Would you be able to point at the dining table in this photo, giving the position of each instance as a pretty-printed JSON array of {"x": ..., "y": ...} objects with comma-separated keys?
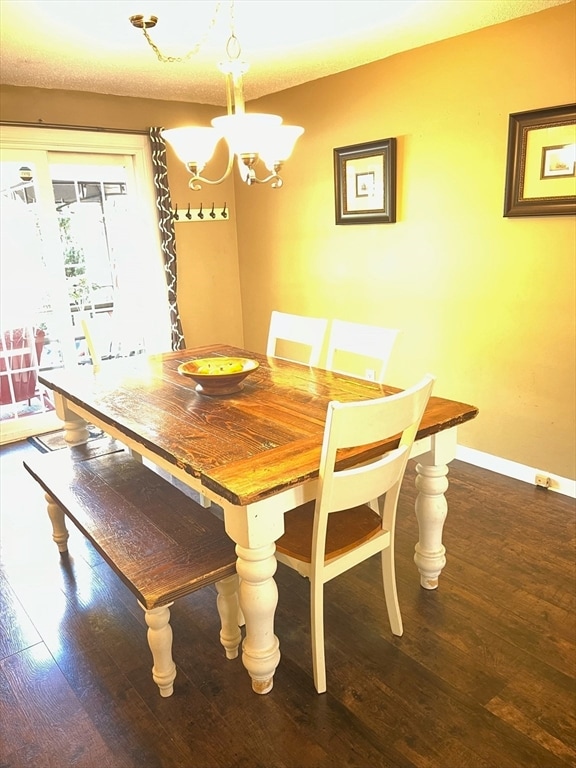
[{"x": 255, "y": 453}]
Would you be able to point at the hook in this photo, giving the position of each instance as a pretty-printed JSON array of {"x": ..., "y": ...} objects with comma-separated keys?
[
  {"x": 224, "y": 212},
  {"x": 175, "y": 216},
  {"x": 188, "y": 214},
  {"x": 212, "y": 214},
  {"x": 200, "y": 214}
]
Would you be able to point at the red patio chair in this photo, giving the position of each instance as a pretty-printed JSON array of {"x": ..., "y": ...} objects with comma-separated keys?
[{"x": 19, "y": 362}]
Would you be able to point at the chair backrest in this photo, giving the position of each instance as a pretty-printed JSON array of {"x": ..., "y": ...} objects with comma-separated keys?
[
  {"x": 95, "y": 347},
  {"x": 304, "y": 334},
  {"x": 362, "y": 423},
  {"x": 110, "y": 337},
  {"x": 369, "y": 342}
]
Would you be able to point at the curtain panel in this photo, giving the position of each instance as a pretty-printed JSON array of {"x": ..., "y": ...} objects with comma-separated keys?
[{"x": 166, "y": 225}]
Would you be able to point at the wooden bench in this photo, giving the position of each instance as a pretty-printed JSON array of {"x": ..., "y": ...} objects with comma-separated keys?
[{"x": 161, "y": 543}]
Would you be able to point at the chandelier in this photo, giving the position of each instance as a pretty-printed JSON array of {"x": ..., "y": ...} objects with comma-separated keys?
[{"x": 250, "y": 137}]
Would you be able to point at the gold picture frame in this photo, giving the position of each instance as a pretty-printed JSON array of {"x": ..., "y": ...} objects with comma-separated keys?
[
  {"x": 365, "y": 182},
  {"x": 541, "y": 162}
]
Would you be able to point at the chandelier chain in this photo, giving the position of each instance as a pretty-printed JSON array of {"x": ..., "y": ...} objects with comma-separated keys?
[{"x": 193, "y": 51}]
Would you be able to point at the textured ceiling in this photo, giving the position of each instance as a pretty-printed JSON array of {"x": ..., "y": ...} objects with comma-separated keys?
[{"x": 91, "y": 46}]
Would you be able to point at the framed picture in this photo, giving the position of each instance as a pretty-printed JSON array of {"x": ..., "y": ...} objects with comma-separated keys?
[
  {"x": 365, "y": 183},
  {"x": 541, "y": 164}
]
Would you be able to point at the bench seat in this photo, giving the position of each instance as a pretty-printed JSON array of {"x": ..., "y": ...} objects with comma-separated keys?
[{"x": 161, "y": 543}]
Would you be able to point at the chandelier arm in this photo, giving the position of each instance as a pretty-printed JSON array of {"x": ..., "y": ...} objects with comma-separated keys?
[
  {"x": 198, "y": 177},
  {"x": 251, "y": 178},
  {"x": 273, "y": 177}
]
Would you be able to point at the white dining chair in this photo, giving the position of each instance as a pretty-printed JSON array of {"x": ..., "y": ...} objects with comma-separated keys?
[
  {"x": 96, "y": 347},
  {"x": 111, "y": 337},
  {"x": 100, "y": 348},
  {"x": 354, "y": 514},
  {"x": 357, "y": 343},
  {"x": 296, "y": 337}
]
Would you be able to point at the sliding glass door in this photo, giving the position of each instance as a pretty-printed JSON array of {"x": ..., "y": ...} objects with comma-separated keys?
[{"x": 79, "y": 245}]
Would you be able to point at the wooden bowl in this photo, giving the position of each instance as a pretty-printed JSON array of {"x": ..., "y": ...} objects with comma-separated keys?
[{"x": 215, "y": 376}]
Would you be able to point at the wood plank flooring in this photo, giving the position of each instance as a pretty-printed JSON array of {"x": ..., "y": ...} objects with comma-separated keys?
[{"x": 483, "y": 677}]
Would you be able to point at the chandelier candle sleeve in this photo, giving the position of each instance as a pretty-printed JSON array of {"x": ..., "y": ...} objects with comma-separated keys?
[{"x": 194, "y": 145}]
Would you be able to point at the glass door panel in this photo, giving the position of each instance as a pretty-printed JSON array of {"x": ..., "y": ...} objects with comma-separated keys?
[
  {"x": 25, "y": 295},
  {"x": 78, "y": 242},
  {"x": 86, "y": 197}
]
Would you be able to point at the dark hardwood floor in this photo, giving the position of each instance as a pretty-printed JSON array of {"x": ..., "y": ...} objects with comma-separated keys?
[{"x": 484, "y": 676}]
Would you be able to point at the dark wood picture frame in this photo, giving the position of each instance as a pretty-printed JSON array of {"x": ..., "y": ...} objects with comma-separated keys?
[
  {"x": 534, "y": 188},
  {"x": 365, "y": 182}
]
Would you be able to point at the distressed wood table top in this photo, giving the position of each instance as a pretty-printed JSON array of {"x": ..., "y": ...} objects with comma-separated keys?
[{"x": 246, "y": 446}]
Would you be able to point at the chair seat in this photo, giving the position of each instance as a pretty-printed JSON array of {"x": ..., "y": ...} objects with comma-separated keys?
[{"x": 346, "y": 530}]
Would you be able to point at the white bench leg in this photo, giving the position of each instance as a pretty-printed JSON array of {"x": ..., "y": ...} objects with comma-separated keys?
[
  {"x": 228, "y": 608},
  {"x": 160, "y": 642},
  {"x": 58, "y": 520}
]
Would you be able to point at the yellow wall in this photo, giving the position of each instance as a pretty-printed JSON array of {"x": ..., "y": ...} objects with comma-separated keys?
[{"x": 485, "y": 302}]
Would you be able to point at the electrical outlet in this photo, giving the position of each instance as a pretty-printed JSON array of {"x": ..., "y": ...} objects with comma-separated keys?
[
  {"x": 543, "y": 481},
  {"x": 370, "y": 375}
]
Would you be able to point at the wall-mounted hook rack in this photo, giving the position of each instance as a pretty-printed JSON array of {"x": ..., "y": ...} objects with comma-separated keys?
[{"x": 208, "y": 212}]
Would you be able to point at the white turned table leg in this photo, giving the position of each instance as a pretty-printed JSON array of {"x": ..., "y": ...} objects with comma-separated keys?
[
  {"x": 431, "y": 506},
  {"x": 227, "y": 603},
  {"x": 58, "y": 520},
  {"x": 76, "y": 431},
  {"x": 258, "y": 599},
  {"x": 75, "y": 427},
  {"x": 431, "y": 510},
  {"x": 160, "y": 642}
]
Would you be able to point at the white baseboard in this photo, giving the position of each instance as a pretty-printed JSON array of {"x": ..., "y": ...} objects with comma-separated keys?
[{"x": 512, "y": 469}]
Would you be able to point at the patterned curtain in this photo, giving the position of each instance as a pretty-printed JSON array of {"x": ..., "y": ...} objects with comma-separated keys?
[{"x": 166, "y": 225}]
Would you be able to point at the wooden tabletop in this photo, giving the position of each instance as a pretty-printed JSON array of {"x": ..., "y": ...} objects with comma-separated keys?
[{"x": 245, "y": 446}]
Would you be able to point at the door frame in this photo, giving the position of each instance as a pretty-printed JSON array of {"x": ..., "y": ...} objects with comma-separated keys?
[{"x": 40, "y": 141}]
